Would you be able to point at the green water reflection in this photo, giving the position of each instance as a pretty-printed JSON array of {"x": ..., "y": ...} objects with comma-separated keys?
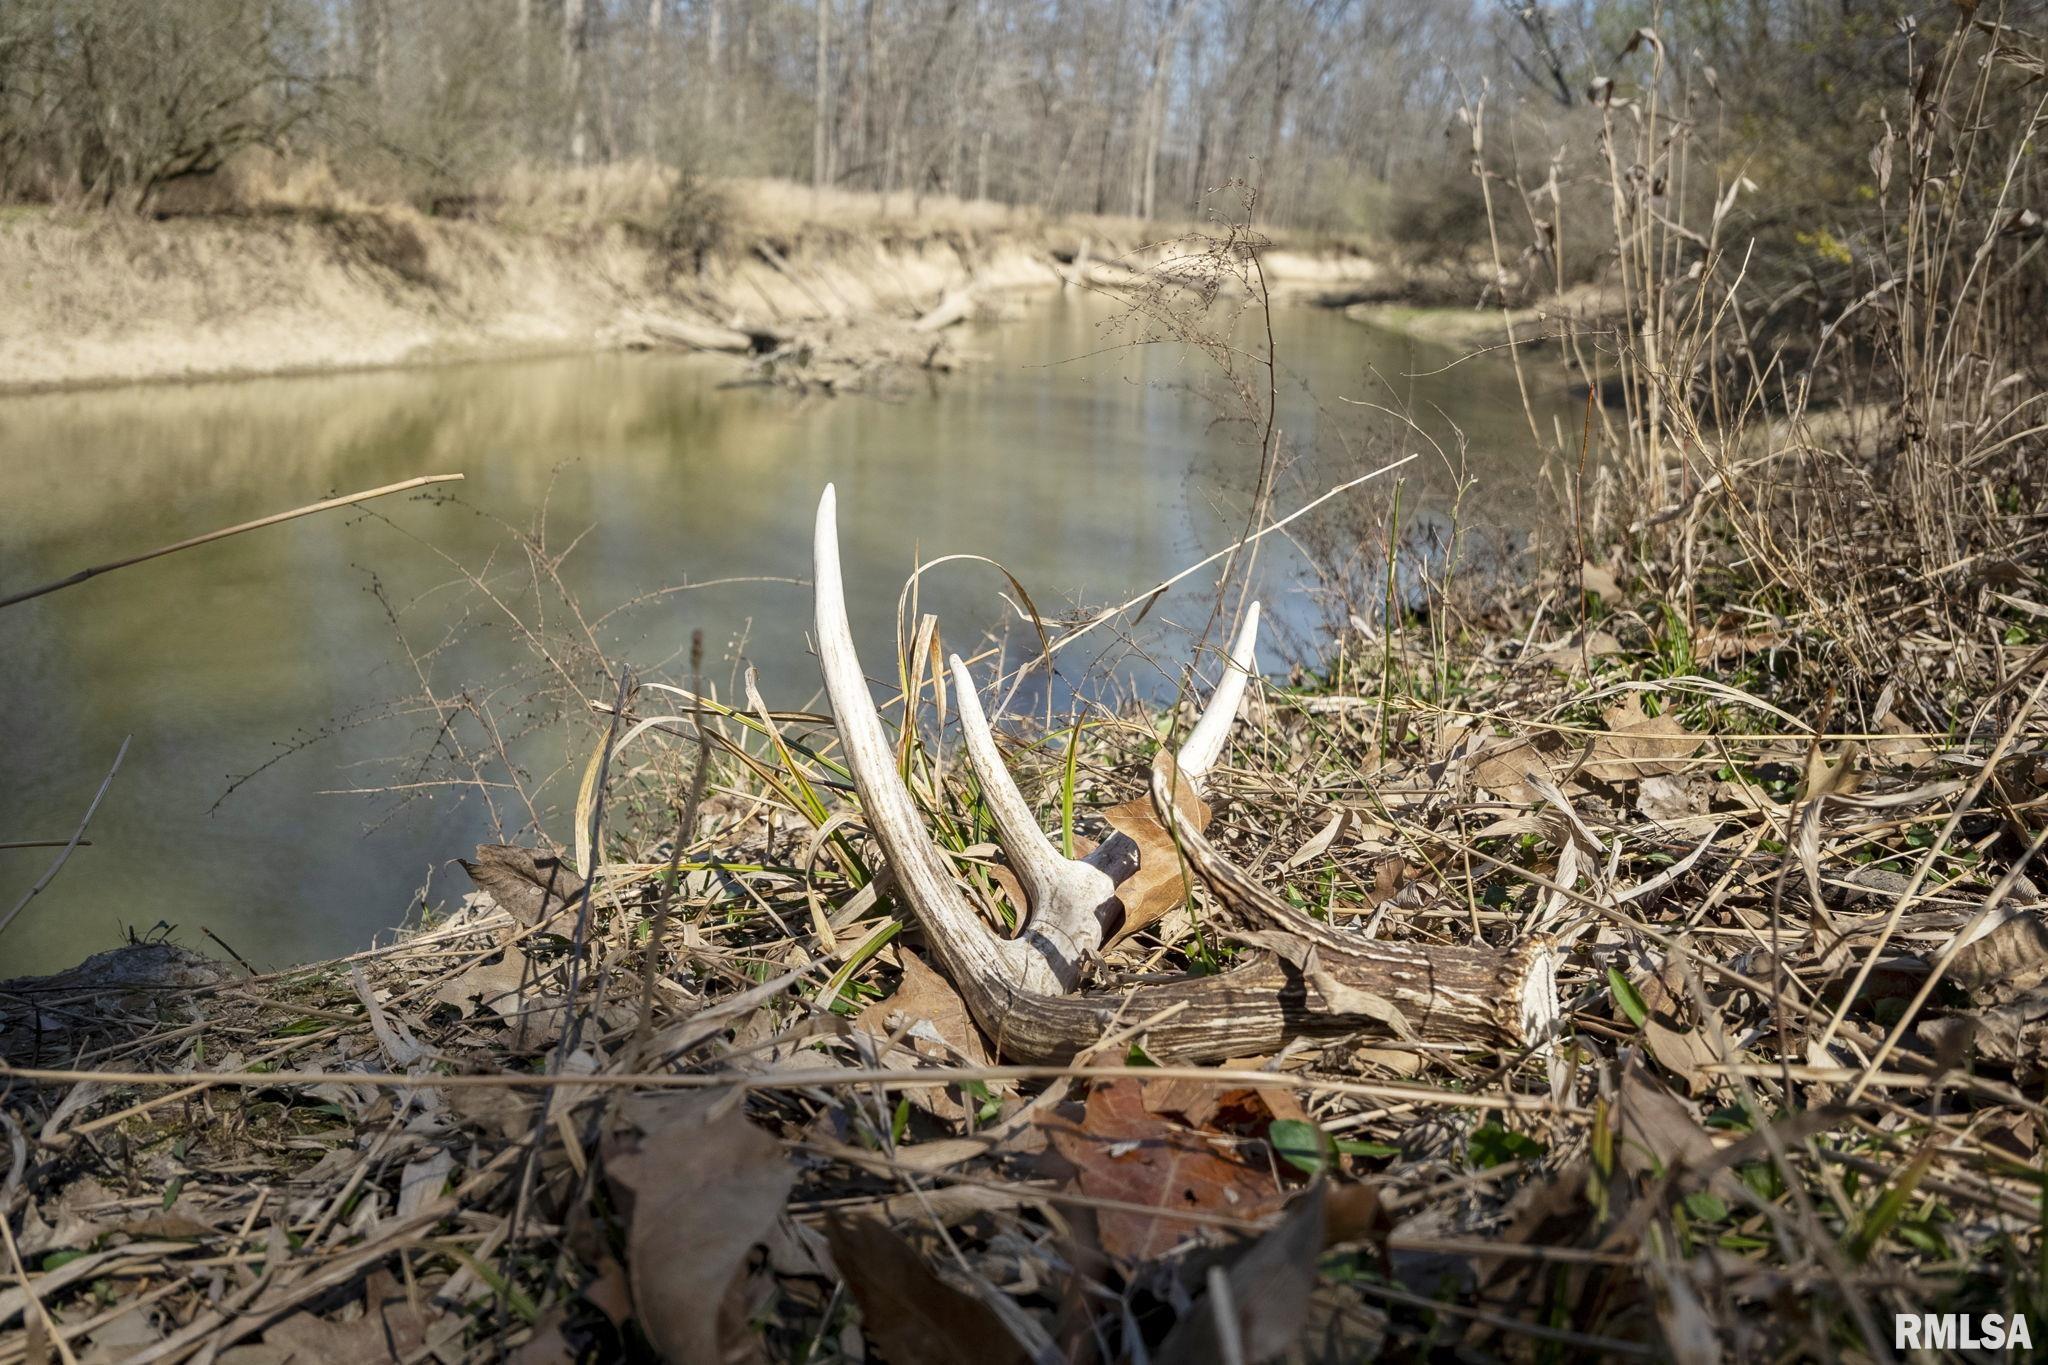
[{"x": 1090, "y": 467}]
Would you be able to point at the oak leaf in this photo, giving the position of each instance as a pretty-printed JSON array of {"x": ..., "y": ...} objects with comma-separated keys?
[
  {"x": 705, "y": 1186},
  {"x": 915, "y": 1317},
  {"x": 515, "y": 988},
  {"x": 1637, "y": 745},
  {"x": 530, "y": 887},
  {"x": 1504, "y": 767},
  {"x": 1270, "y": 1285},
  {"x": 390, "y": 1328},
  {"x": 1160, "y": 883},
  {"x": 1122, "y": 1151},
  {"x": 933, "y": 1012},
  {"x": 1201, "y": 1104},
  {"x": 2006, "y": 963}
]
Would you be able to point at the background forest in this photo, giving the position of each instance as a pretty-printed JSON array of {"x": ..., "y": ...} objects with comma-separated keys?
[{"x": 1340, "y": 113}]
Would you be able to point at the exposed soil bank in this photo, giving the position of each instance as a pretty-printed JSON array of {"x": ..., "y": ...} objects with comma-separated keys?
[{"x": 109, "y": 299}]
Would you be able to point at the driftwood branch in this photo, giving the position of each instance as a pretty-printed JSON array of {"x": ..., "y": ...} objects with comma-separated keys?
[
  {"x": 689, "y": 334},
  {"x": 956, "y": 306}
]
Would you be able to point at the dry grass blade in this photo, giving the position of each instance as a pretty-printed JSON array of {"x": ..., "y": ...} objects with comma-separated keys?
[
  {"x": 326, "y": 505},
  {"x": 77, "y": 839}
]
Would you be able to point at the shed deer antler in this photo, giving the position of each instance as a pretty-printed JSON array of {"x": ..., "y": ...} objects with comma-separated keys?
[
  {"x": 1320, "y": 981},
  {"x": 1073, "y": 901}
]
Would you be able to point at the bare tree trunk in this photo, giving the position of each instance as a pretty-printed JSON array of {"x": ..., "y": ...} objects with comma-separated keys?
[
  {"x": 864, "y": 149},
  {"x": 900, "y": 155},
  {"x": 1110, "y": 108},
  {"x": 714, "y": 56},
  {"x": 575, "y": 37},
  {"x": 1144, "y": 189},
  {"x": 739, "y": 80},
  {"x": 373, "y": 22},
  {"x": 604, "y": 94},
  {"x": 821, "y": 115},
  {"x": 650, "y": 78},
  {"x": 1269, "y": 179},
  {"x": 522, "y": 36}
]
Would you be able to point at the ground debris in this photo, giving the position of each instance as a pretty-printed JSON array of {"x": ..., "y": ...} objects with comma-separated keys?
[{"x": 1787, "y": 1028}]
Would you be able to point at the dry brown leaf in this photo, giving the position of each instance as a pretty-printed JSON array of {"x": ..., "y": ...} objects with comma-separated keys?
[
  {"x": 124, "y": 1338},
  {"x": 2006, "y": 963},
  {"x": 1684, "y": 1052},
  {"x": 1828, "y": 774},
  {"x": 1319, "y": 843},
  {"x": 547, "y": 1345},
  {"x": 511, "y": 987},
  {"x": 1270, "y": 1285},
  {"x": 503, "y": 1112},
  {"x": 1658, "y": 1132},
  {"x": 421, "y": 1182},
  {"x": 1905, "y": 749},
  {"x": 1669, "y": 798},
  {"x": 530, "y": 887},
  {"x": 1549, "y": 1210},
  {"x": 73, "y": 1219},
  {"x": 704, "y": 1187},
  {"x": 1503, "y": 767},
  {"x": 1513, "y": 827},
  {"x": 1600, "y": 582},
  {"x": 1638, "y": 745},
  {"x": 1012, "y": 889},
  {"x": 1158, "y": 885},
  {"x": 1746, "y": 796},
  {"x": 1717, "y": 645},
  {"x": 1355, "y": 1213},
  {"x": 391, "y": 1329},
  {"x": 915, "y": 1317},
  {"x": 1389, "y": 1061},
  {"x": 1392, "y": 876},
  {"x": 1203, "y": 1105},
  {"x": 933, "y": 1010},
  {"x": 1571, "y": 656},
  {"x": 609, "y": 1292},
  {"x": 2014, "y": 1035},
  {"x": 1123, "y": 1151}
]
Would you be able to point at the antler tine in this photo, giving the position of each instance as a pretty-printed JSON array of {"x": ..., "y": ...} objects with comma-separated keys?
[
  {"x": 1064, "y": 893},
  {"x": 965, "y": 946},
  {"x": 1204, "y": 744},
  {"x": 1030, "y": 853}
]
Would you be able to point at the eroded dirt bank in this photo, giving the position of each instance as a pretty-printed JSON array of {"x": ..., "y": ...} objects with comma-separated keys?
[{"x": 109, "y": 299}]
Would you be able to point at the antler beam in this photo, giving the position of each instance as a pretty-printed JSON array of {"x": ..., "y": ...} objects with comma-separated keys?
[{"x": 1019, "y": 989}]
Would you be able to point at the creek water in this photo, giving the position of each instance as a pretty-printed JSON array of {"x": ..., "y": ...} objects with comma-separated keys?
[{"x": 1091, "y": 462}]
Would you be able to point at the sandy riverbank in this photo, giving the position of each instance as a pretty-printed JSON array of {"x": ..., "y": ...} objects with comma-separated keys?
[{"x": 102, "y": 298}]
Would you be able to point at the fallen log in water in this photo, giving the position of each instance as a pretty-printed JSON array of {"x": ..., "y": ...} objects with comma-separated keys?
[
  {"x": 647, "y": 330},
  {"x": 956, "y": 306}
]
